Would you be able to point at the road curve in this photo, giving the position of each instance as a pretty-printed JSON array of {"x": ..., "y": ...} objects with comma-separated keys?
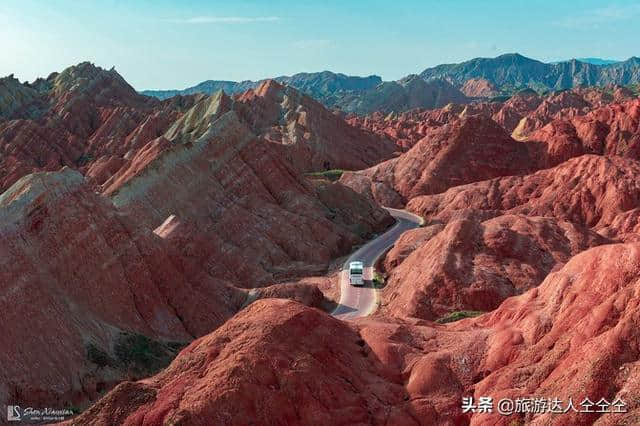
[{"x": 362, "y": 301}]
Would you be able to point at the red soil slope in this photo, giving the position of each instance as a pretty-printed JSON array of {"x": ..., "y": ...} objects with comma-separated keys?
[
  {"x": 570, "y": 337},
  {"x": 466, "y": 150}
]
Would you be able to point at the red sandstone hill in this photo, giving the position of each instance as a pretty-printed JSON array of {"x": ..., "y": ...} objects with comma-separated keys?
[
  {"x": 314, "y": 137},
  {"x": 562, "y": 126},
  {"x": 471, "y": 264},
  {"x": 406, "y": 128},
  {"x": 245, "y": 200},
  {"x": 183, "y": 208},
  {"x": 589, "y": 190},
  {"x": 612, "y": 129},
  {"x": 522, "y": 115},
  {"x": 82, "y": 115},
  {"x": 493, "y": 239},
  {"x": 465, "y": 150},
  {"x": 479, "y": 88},
  {"x": 99, "y": 274},
  {"x": 77, "y": 275},
  {"x": 90, "y": 119},
  {"x": 572, "y": 336},
  {"x": 275, "y": 362},
  {"x": 192, "y": 208}
]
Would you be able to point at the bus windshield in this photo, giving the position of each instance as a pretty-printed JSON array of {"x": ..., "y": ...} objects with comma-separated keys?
[{"x": 356, "y": 271}]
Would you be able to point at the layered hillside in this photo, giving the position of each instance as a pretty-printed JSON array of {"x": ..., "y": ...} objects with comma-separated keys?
[
  {"x": 86, "y": 279},
  {"x": 459, "y": 144},
  {"x": 563, "y": 192},
  {"x": 243, "y": 199},
  {"x": 313, "y": 137},
  {"x": 466, "y": 150},
  {"x": 474, "y": 263},
  {"x": 90, "y": 119},
  {"x": 134, "y": 230},
  {"x": 520, "y": 115},
  {"x": 571, "y": 337},
  {"x": 568, "y": 183},
  {"x": 186, "y": 207},
  {"x": 479, "y": 88}
]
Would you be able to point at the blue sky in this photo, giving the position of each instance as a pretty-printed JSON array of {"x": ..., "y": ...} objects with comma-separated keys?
[{"x": 163, "y": 44}]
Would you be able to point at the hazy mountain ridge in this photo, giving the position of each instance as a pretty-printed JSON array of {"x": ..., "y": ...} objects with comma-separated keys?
[
  {"x": 515, "y": 70},
  {"x": 352, "y": 94},
  {"x": 446, "y": 83},
  {"x": 317, "y": 84}
]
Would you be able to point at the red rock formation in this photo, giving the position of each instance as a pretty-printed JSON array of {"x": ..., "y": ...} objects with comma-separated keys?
[
  {"x": 276, "y": 361},
  {"x": 589, "y": 190},
  {"x": 75, "y": 274},
  {"x": 240, "y": 201},
  {"x": 152, "y": 259},
  {"x": 568, "y": 106},
  {"x": 521, "y": 115},
  {"x": 205, "y": 209},
  {"x": 514, "y": 109},
  {"x": 574, "y": 335},
  {"x": 479, "y": 88},
  {"x": 571, "y": 337},
  {"x": 471, "y": 149},
  {"x": 407, "y": 128},
  {"x": 86, "y": 115},
  {"x": 313, "y": 137},
  {"x": 564, "y": 104},
  {"x": 472, "y": 265}
]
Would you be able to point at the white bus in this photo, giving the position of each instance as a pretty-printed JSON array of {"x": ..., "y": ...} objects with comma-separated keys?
[{"x": 356, "y": 269}]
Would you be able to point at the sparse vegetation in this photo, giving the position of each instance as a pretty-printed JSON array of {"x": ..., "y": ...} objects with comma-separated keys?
[
  {"x": 75, "y": 410},
  {"x": 84, "y": 159},
  {"x": 501, "y": 98},
  {"x": 142, "y": 354},
  {"x": 378, "y": 280},
  {"x": 458, "y": 315},
  {"x": 332, "y": 175},
  {"x": 136, "y": 353},
  {"x": 97, "y": 356}
]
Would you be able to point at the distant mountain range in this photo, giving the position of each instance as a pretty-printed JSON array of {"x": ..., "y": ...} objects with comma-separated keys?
[
  {"x": 516, "y": 71},
  {"x": 440, "y": 85},
  {"x": 360, "y": 95},
  {"x": 318, "y": 85}
]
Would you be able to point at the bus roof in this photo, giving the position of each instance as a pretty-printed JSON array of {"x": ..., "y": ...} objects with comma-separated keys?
[{"x": 356, "y": 265}]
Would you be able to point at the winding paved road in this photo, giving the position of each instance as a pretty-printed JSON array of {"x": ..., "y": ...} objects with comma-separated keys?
[{"x": 362, "y": 301}]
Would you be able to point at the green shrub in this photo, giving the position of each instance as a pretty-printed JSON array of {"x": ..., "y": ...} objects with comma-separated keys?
[
  {"x": 84, "y": 159},
  {"x": 458, "y": 315},
  {"x": 98, "y": 356},
  {"x": 378, "y": 279},
  {"x": 143, "y": 355},
  {"x": 332, "y": 175}
]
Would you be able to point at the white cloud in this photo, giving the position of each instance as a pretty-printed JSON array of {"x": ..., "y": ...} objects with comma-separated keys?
[
  {"x": 595, "y": 18},
  {"x": 225, "y": 19}
]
